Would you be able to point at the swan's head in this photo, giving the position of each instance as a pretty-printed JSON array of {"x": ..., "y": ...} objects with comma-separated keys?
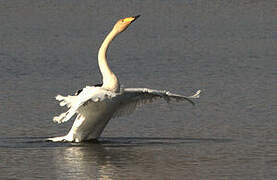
[{"x": 122, "y": 24}]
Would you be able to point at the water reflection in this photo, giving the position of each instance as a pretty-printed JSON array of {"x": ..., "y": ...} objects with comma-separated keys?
[
  {"x": 91, "y": 160},
  {"x": 138, "y": 158},
  {"x": 127, "y": 157}
]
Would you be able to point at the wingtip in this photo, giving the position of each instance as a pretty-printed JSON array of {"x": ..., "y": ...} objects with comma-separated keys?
[
  {"x": 60, "y": 119},
  {"x": 59, "y": 97},
  {"x": 196, "y": 95}
]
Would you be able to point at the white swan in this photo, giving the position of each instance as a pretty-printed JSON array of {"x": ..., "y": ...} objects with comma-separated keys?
[{"x": 96, "y": 105}]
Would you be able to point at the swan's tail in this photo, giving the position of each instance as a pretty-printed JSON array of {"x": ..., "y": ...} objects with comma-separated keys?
[
  {"x": 57, "y": 139},
  {"x": 67, "y": 138}
]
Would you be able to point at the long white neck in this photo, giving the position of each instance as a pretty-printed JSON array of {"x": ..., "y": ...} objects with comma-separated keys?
[{"x": 110, "y": 81}]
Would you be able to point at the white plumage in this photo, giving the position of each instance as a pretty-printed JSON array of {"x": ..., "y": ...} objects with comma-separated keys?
[{"x": 95, "y": 106}]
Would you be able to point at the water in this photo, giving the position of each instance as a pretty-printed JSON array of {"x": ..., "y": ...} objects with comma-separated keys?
[{"x": 228, "y": 49}]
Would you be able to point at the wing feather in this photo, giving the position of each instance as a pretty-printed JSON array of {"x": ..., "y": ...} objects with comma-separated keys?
[
  {"x": 87, "y": 95},
  {"x": 126, "y": 101},
  {"x": 132, "y": 98}
]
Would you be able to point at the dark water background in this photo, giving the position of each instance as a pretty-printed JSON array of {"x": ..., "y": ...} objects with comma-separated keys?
[{"x": 226, "y": 48}]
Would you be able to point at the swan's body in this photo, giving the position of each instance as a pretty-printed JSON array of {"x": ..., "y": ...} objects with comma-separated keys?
[{"x": 96, "y": 105}]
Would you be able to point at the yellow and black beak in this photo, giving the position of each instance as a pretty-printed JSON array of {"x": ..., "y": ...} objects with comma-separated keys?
[
  {"x": 136, "y": 17},
  {"x": 131, "y": 19}
]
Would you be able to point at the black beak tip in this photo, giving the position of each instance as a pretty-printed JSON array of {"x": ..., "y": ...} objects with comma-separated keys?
[{"x": 137, "y": 16}]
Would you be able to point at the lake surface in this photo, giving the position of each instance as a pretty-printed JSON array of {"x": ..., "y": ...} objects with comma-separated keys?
[{"x": 228, "y": 49}]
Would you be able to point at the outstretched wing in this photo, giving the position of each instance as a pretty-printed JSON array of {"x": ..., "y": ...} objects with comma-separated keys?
[
  {"x": 132, "y": 98},
  {"x": 126, "y": 101},
  {"x": 88, "y": 94}
]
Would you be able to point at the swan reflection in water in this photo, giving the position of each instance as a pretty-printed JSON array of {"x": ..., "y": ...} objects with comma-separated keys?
[{"x": 128, "y": 157}]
